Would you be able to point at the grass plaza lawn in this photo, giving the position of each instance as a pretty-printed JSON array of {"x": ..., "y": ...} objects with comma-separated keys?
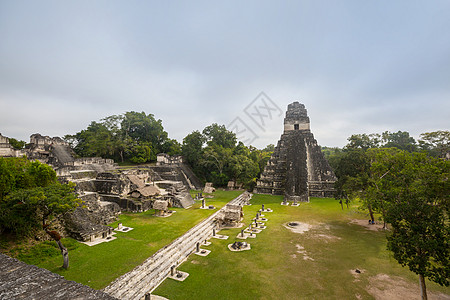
[
  {"x": 97, "y": 266},
  {"x": 281, "y": 264}
]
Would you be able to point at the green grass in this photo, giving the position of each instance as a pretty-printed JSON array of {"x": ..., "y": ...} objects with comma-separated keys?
[
  {"x": 267, "y": 271},
  {"x": 99, "y": 265},
  {"x": 270, "y": 271}
]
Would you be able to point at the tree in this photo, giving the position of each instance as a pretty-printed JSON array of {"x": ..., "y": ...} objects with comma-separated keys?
[
  {"x": 352, "y": 169},
  {"x": 243, "y": 169},
  {"x": 96, "y": 140},
  {"x": 24, "y": 210},
  {"x": 363, "y": 141},
  {"x": 141, "y": 152},
  {"x": 192, "y": 147},
  {"x": 215, "y": 158},
  {"x": 32, "y": 197},
  {"x": 436, "y": 143},
  {"x": 133, "y": 136},
  {"x": 218, "y": 135},
  {"x": 17, "y": 144},
  {"x": 171, "y": 147},
  {"x": 415, "y": 188},
  {"x": 400, "y": 140},
  {"x": 144, "y": 128},
  {"x": 20, "y": 173}
]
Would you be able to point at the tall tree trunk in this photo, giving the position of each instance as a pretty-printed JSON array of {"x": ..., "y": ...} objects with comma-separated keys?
[
  {"x": 423, "y": 287},
  {"x": 57, "y": 238},
  {"x": 371, "y": 212},
  {"x": 65, "y": 255}
]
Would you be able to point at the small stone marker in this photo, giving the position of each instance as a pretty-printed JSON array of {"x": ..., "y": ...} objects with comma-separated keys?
[
  {"x": 172, "y": 270},
  {"x": 198, "y": 247},
  {"x": 119, "y": 226}
]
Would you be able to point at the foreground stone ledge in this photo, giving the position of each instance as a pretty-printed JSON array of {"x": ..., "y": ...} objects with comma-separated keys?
[{"x": 21, "y": 281}]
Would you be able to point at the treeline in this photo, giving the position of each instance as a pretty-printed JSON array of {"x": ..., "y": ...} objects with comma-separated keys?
[
  {"x": 407, "y": 184},
  {"x": 352, "y": 162},
  {"x": 132, "y": 136},
  {"x": 214, "y": 153},
  {"x": 215, "y": 157}
]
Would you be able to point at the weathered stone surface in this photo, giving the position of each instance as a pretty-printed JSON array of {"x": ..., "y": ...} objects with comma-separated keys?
[
  {"x": 21, "y": 281},
  {"x": 231, "y": 215},
  {"x": 88, "y": 221},
  {"x": 297, "y": 167},
  {"x": 209, "y": 188}
]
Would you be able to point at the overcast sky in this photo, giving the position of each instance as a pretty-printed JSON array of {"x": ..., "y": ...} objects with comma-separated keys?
[{"x": 358, "y": 66}]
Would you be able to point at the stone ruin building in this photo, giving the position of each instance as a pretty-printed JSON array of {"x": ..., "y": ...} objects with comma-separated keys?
[
  {"x": 230, "y": 216},
  {"x": 297, "y": 168},
  {"x": 106, "y": 189},
  {"x": 7, "y": 150},
  {"x": 209, "y": 188}
]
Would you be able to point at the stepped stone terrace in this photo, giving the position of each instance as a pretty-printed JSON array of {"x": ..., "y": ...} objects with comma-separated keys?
[{"x": 297, "y": 168}]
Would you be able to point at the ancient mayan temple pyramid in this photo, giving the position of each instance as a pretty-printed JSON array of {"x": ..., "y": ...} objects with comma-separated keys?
[{"x": 297, "y": 168}]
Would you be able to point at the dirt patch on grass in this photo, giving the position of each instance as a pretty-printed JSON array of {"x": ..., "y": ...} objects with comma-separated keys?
[
  {"x": 298, "y": 227},
  {"x": 356, "y": 273},
  {"x": 195, "y": 262},
  {"x": 365, "y": 223},
  {"x": 385, "y": 287},
  {"x": 301, "y": 250},
  {"x": 327, "y": 237}
]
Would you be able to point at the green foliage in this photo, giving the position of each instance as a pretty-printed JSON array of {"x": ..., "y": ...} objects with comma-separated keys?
[
  {"x": 364, "y": 141},
  {"x": 218, "y": 135},
  {"x": 141, "y": 153},
  {"x": 221, "y": 160},
  {"x": 436, "y": 143},
  {"x": 30, "y": 194},
  {"x": 17, "y": 144},
  {"x": 410, "y": 191},
  {"x": 400, "y": 140},
  {"x": 330, "y": 152},
  {"x": 25, "y": 210},
  {"x": 414, "y": 189},
  {"x": 133, "y": 136},
  {"x": 192, "y": 148},
  {"x": 20, "y": 173}
]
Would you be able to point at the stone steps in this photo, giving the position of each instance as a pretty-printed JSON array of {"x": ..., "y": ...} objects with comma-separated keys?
[{"x": 147, "y": 276}]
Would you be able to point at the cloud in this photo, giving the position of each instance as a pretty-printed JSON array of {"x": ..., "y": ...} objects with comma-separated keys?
[{"x": 357, "y": 66}]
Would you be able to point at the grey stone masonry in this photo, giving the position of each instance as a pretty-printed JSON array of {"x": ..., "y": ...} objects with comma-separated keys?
[
  {"x": 146, "y": 277},
  {"x": 297, "y": 168},
  {"x": 21, "y": 281}
]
